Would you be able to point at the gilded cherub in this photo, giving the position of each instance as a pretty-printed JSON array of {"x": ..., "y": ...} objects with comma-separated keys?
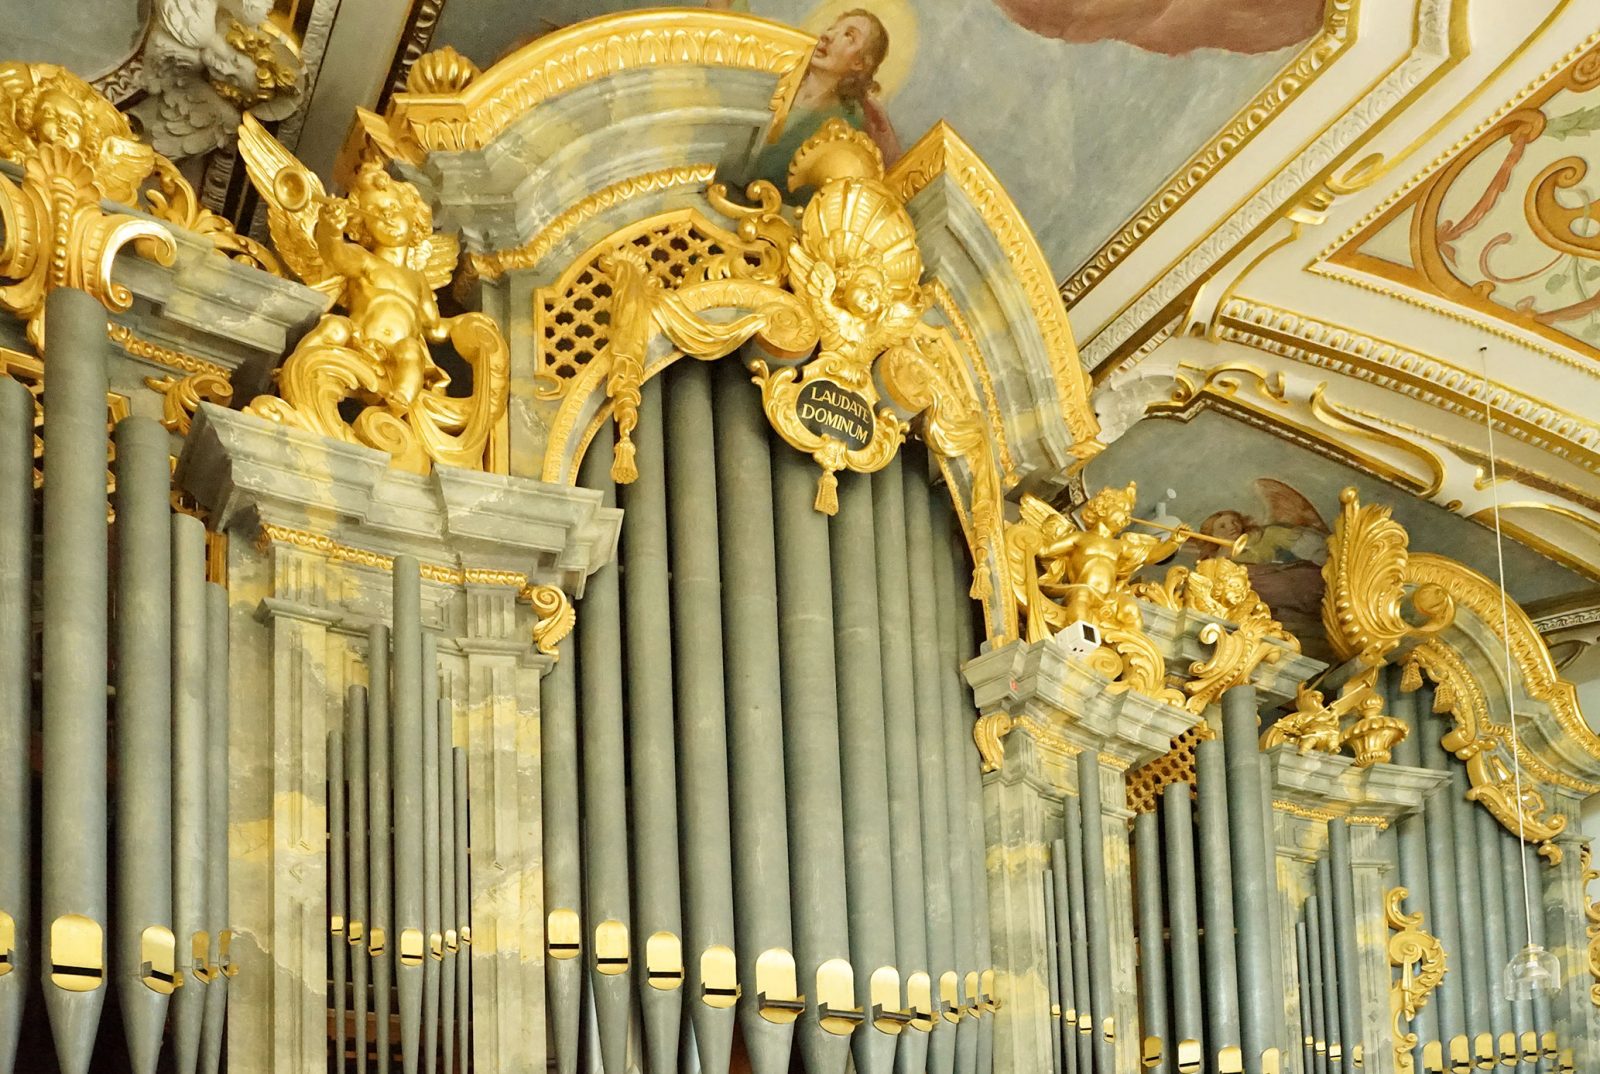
[
  {"x": 375, "y": 254},
  {"x": 1083, "y": 572},
  {"x": 45, "y": 105}
]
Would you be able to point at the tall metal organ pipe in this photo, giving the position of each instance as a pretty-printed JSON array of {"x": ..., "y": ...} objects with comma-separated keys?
[
  {"x": 427, "y": 736},
  {"x": 380, "y": 926},
  {"x": 863, "y": 758},
  {"x": 355, "y": 706},
  {"x": 1216, "y": 900},
  {"x": 16, "y": 711},
  {"x": 755, "y": 725},
  {"x": 563, "y": 866},
  {"x": 216, "y": 854},
  {"x": 811, "y": 763},
  {"x": 653, "y": 784},
  {"x": 900, "y": 740},
  {"x": 1254, "y": 885},
  {"x": 608, "y": 917},
  {"x": 74, "y": 907},
  {"x": 446, "y": 799},
  {"x": 190, "y": 793},
  {"x": 142, "y": 936},
  {"x": 701, "y": 712},
  {"x": 1189, "y": 1039},
  {"x": 406, "y": 770}
]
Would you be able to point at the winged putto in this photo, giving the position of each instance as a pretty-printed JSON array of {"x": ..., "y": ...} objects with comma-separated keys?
[{"x": 375, "y": 255}]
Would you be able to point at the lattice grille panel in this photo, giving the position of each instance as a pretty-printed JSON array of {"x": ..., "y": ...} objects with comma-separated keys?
[
  {"x": 573, "y": 323},
  {"x": 1146, "y": 782}
]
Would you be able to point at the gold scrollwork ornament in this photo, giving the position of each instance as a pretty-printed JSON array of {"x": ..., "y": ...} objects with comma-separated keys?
[
  {"x": 1421, "y": 961},
  {"x": 375, "y": 254}
]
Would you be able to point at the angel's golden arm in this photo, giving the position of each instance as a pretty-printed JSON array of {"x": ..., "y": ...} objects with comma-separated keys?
[
  {"x": 1139, "y": 549},
  {"x": 344, "y": 257},
  {"x": 435, "y": 327}
]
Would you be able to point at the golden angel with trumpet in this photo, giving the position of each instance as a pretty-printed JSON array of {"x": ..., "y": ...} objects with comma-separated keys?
[{"x": 374, "y": 254}]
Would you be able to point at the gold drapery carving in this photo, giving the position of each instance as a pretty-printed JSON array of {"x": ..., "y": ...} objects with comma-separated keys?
[
  {"x": 1421, "y": 960},
  {"x": 376, "y": 254}
]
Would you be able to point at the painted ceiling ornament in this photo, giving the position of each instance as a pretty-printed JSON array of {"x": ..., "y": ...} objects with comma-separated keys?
[
  {"x": 1063, "y": 574},
  {"x": 75, "y": 149},
  {"x": 207, "y": 63},
  {"x": 375, "y": 255}
]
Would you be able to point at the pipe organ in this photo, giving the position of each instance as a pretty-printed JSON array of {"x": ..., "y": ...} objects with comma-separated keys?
[{"x": 703, "y": 656}]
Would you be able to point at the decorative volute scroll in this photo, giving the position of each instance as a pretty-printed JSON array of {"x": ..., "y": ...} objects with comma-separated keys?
[
  {"x": 1591, "y": 913},
  {"x": 1219, "y": 587},
  {"x": 374, "y": 252},
  {"x": 75, "y": 150},
  {"x": 1421, "y": 961},
  {"x": 1461, "y": 645}
]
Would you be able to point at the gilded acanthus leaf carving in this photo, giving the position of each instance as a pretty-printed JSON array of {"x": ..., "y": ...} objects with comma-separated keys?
[
  {"x": 1421, "y": 960},
  {"x": 376, "y": 254}
]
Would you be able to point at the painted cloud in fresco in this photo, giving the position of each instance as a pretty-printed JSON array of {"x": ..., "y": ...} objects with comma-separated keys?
[{"x": 1172, "y": 27}]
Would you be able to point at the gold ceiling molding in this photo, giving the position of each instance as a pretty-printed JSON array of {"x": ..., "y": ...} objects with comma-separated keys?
[
  {"x": 1440, "y": 43},
  {"x": 474, "y": 114},
  {"x": 942, "y": 152},
  {"x": 1289, "y": 83},
  {"x": 1415, "y": 375},
  {"x": 1441, "y": 279},
  {"x": 496, "y": 263}
]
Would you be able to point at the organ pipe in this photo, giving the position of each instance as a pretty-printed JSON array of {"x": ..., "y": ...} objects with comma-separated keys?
[
  {"x": 380, "y": 926},
  {"x": 605, "y": 822},
  {"x": 929, "y": 698},
  {"x": 216, "y": 853},
  {"x": 653, "y": 790},
  {"x": 811, "y": 763},
  {"x": 146, "y": 961},
  {"x": 1308, "y": 1052},
  {"x": 427, "y": 736},
  {"x": 1052, "y": 975},
  {"x": 406, "y": 770},
  {"x": 356, "y": 761},
  {"x": 1152, "y": 943},
  {"x": 445, "y": 798},
  {"x": 563, "y": 883},
  {"x": 1096, "y": 897},
  {"x": 1314, "y": 983},
  {"x": 463, "y": 912},
  {"x": 1344, "y": 921},
  {"x": 863, "y": 758},
  {"x": 1188, "y": 1025},
  {"x": 900, "y": 740},
  {"x": 1078, "y": 917},
  {"x": 701, "y": 711},
  {"x": 16, "y": 712},
  {"x": 755, "y": 725},
  {"x": 1332, "y": 1020},
  {"x": 73, "y": 811},
  {"x": 338, "y": 952},
  {"x": 1064, "y": 1024},
  {"x": 190, "y": 794},
  {"x": 1260, "y": 991},
  {"x": 1217, "y": 905}
]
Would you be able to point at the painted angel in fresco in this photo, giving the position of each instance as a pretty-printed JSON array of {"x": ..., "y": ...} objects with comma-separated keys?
[
  {"x": 1172, "y": 27},
  {"x": 840, "y": 82},
  {"x": 1284, "y": 554}
]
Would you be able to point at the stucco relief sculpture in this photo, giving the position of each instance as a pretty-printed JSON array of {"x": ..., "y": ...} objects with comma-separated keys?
[
  {"x": 209, "y": 62},
  {"x": 375, "y": 254}
]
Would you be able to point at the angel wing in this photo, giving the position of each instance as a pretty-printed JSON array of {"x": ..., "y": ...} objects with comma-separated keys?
[
  {"x": 293, "y": 194},
  {"x": 435, "y": 256},
  {"x": 1286, "y": 506}
]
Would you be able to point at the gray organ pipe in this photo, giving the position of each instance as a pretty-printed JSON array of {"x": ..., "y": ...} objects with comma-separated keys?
[
  {"x": 1412, "y": 835},
  {"x": 1152, "y": 943},
  {"x": 1053, "y": 935},
  {"x": 464, "y": 911},
  {"x": 216, "y": 859},
  {"x": 1216, "y": 899},
  {"x": 1078, "y": 918},
  {"x": 144, "y": 730},
  {"x": 1064, "y": 1028},
  {"x": 428, "y": 739},
  {"x": 1254, "y": 885},
  {"x": 1449, "y": 999},
  {"x": 355, "y": 707},
  {"x": 1476, "y": 973},
  {"x": 406, "y": 771},
  {"x": 811, "y": 762},
  {"x": 16, "y": 708},
  {"x": 1314, "y": 982},
  {"x": 653, "y": 789},
  {"x": 754, "y": 699},
  {"x": 929, "y": 696},
  {"x": 900, "y": 739},
  {"x": 190, "y": 795},
  {"x": 1096, "y": 897},
  {"x": 605, "y": 820},
  {"x": 951, "y": 602},
  {"x": 972, "y": 791},
  {"x": 73, "y": 815},
  {"x": 380, "y": 931},
  {"x": 1493, "y": 896},
  {"x": 447, "y": 882},
  {"x": 701, "y": 708},
  {"x": 1302, "y": 952},
  {"x": 563, "y": 876},
  {"x": 338, "y": 858},
  {"x": 863, "y": 758},
  {"x": 1332, "y": 1025},
  {"x": 1188, "y": 1020},
  {"x": 1344, "y": 920}
]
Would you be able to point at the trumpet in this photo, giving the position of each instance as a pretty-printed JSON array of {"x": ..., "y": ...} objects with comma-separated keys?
[{"x": 1234, "y": 546}]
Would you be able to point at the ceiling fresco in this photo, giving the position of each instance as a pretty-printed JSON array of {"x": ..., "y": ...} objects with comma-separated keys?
[
  {"x": 1508, "y": 228},
  {"x": 1284, "y": 498},
  {"x": 1123, "y": 88}
]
